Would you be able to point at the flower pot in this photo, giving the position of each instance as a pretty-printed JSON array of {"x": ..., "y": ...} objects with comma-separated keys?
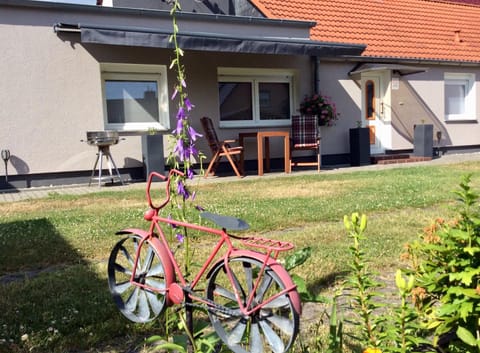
[
  {"x": 423, "y": 140},
  {"x": 360, "y": 146},
  {"x": 152, "y": 154}
]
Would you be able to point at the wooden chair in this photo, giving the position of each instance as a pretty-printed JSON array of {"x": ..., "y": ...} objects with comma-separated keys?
[
  {"x": 305, "y": 136},
  {"x": 221, "y": 149}
]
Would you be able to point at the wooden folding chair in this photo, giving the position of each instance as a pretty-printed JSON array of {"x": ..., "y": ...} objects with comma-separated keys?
[
  {"x": 305, "y": 137},
  {"x": 221, "y": 149}
]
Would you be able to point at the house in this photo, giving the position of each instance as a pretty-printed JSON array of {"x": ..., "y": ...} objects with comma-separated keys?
[
  {"x": 71, "y": 69},
  {"x": 68, "y": 69},
  {"x": 421, "y": 65}
]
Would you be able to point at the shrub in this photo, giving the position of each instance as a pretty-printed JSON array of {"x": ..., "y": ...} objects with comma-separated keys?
[{"x": 446, "y": 265}]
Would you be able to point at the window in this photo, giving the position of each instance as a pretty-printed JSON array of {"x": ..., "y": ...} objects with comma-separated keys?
[
  {"x": 135, "y": 97},
  {"x": 459, "y": 96},
  {"x": 370, "y": 100},
  {"x": 254, "y": 97}
]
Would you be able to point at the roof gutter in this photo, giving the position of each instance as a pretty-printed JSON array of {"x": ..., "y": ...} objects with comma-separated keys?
[
  {"x": 410, "y": 61},
  {"x": 153, "y": 13}
]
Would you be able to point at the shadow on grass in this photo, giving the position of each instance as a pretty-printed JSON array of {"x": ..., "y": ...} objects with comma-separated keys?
[
  {"x": 328, "y": 281},
  {"x": 51, "y": 300}
]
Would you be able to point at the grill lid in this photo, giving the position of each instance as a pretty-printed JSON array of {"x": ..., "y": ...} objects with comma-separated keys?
[{"x": 102, "y": 138}]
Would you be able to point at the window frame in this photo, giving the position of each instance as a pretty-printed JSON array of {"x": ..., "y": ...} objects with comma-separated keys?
[
  {"x": 255, "y": 77},
  {"x": 470, "y": 96},
  {"x": 137, "y": 72}
]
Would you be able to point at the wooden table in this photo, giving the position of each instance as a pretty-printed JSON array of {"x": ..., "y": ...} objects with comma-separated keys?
[{"x": 263, "y": 138}]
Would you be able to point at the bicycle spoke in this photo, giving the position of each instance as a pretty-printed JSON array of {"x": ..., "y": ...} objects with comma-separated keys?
[
  {"x": 224, "y": 292},
  {"x": 274, "y": 341},
  {"x": 263, "y": 288},
  {"x": 148, "y": 259},
  {"x": 255, "y": 339},
  {"x": 121, "y": 269},
  {"x": 136, "y": 243},
  {"x": 143, "y": 308},
  {"x": 236, "y": 335},
  {"x": 283, "y": 323},
  {"x": 272, "y": 328},
  {"x": 154, "y": 301},
  {"x": 237, "y": 285},
  {"x": 136, "y": 302},
  {"x": 278, "y": 302},
  {"x": 156, "y": 270},
  {"x": 127, "y": 255},
  {"x": 132, "y": 300},
  {"x": 248, "y": 277},
  {"x": 160, "y": 286},
  {"x": 122, "y": 287}
]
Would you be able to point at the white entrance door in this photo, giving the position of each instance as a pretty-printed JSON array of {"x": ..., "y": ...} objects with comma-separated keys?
[{"x": 373, "y": 111}]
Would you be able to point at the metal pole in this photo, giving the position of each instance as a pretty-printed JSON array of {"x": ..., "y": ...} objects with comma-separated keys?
[
  {"x": 189, "y": 318},
  {"x": 6, "y": 156}
]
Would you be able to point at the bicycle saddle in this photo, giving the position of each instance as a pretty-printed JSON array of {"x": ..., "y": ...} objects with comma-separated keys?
[{"x": 226, "y": 222}]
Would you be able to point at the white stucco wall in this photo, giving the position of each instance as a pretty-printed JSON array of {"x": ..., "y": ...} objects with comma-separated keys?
[{"x": 50, "y": 91}]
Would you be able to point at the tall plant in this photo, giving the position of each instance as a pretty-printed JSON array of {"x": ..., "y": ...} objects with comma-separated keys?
[
  {"x": 183, "y": 153},
  {"x": 446, "y": 263},
  {"x": 362, "y": 285},
  {"x": 182, "y": 156}
]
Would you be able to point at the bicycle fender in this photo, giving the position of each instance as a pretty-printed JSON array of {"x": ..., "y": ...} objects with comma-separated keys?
[
  {"x": 161, "y": 251},
  {"x": 275, "y": 266}
]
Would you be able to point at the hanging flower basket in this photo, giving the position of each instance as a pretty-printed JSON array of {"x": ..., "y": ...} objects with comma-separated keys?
[{"x": 322, "y": 107}]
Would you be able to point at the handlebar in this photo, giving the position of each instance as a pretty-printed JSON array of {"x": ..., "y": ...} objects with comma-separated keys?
[{"x": 162, "y": 177}]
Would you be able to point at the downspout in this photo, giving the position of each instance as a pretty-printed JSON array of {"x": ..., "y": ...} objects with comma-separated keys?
[{"x": 316, "y": 71}]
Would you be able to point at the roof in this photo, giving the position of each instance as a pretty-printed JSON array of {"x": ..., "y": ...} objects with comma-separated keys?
[{"x": 437, "y": 30}]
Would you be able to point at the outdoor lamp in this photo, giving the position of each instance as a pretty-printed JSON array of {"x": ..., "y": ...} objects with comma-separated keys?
[{"x": 6, "y": 156}]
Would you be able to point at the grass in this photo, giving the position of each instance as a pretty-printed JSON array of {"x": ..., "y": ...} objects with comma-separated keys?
[{"x": 53, "y": 289}]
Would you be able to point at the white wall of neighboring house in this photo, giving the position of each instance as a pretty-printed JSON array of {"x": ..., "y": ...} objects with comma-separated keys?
[{"x": 414, "y": 99}]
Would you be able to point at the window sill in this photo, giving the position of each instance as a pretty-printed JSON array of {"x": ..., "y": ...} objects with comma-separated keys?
[{"x": 462, "y": 121}]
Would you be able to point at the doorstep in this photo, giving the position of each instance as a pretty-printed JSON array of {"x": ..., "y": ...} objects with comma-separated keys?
[{"x": 397, "y": 158}]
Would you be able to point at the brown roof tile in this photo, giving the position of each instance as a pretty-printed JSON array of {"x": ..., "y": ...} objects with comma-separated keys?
[{"x": 411, "y": 29}]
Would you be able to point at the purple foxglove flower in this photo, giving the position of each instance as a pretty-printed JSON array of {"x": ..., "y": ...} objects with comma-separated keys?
[
  {"x": 178, "y": 130},
  {"x": 174, "y": 94},
  {"x": 193, "y": 134},
  {"x": 181, "y": 190},
  {"x": 171, "y": 225},
  {"x": 179, "y": 237},
  {"x": 180, "y": 149},
  {"x": 181, "y": 113},
  {"x": 190, "y": 174},
  {"x": 188, "y": 104},
  {"x": 184, "y": 84},
  {"x": 191, "y": 151}
]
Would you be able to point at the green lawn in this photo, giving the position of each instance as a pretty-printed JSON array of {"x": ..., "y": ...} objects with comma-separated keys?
[{"x": 53, "y": 291}]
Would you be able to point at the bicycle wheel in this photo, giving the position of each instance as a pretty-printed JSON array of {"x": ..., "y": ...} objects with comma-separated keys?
[
  {"x": 273, "y": 328},
  {"x": 136, "y": 303}
]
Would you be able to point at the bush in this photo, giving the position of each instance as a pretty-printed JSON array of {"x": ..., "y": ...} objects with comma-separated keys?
[{"x": 446, "y": 265}]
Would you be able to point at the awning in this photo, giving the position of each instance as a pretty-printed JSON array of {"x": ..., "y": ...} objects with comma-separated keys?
[
  {"x": 158, "y": 38},
  {"x": 402, "y": 70}
]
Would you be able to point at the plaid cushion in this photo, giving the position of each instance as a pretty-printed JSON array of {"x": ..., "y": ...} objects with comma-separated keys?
[{"x": 304, "y": 131}]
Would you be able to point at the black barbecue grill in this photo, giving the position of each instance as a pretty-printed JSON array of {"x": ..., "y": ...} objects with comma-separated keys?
[{"x": 103, "y": 140}]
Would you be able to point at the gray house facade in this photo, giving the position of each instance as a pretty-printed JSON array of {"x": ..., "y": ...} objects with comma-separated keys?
[{"x": 71, "y": 69}]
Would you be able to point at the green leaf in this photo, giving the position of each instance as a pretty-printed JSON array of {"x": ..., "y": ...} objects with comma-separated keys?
[
  {"x": 465, "y": 310},
  {"x": 297, "y": 258},
  {"x": 466, "y": 336},
  {"x": 465, "y": 276}
]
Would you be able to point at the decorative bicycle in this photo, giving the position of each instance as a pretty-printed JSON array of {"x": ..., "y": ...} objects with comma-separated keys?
[{"x": 252, "y": 302}]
